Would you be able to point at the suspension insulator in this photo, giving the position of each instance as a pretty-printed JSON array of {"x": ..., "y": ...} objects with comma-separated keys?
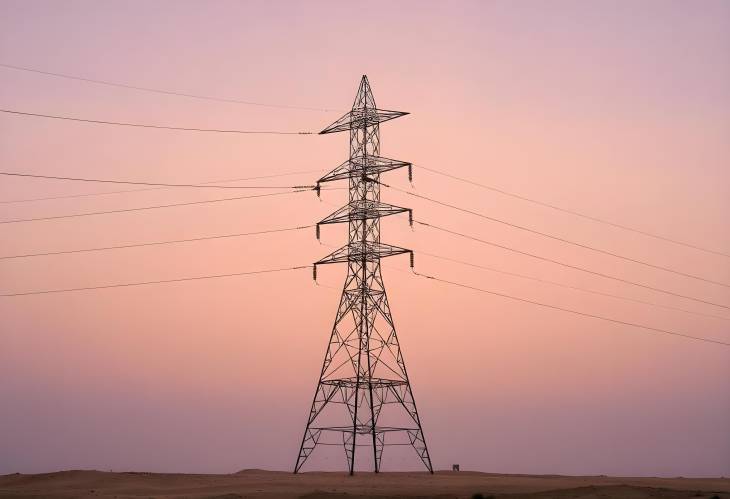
[
  {"x": 410, "y": 218},
  {"x": 317, "y": 231},
  {"x": 412, "y": 260},
  {"x": 410, "y": 173},
  {"x": 314, "y": 273}
]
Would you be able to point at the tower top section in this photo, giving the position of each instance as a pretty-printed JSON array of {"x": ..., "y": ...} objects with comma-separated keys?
[{"x": 364, "y": 113}]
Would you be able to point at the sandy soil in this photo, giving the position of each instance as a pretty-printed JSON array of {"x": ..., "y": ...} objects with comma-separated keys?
[{"x": 271, "y": 484}]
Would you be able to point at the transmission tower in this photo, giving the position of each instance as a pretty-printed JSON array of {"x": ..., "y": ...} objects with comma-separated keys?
[{"x": 363, "y": 387}]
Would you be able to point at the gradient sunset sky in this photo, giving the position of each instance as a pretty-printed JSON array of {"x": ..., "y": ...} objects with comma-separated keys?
[{"x": 618, "y": 109}]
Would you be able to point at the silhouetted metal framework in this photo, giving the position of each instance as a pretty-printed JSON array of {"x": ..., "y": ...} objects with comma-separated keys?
[{"x": 363, "y": 387}]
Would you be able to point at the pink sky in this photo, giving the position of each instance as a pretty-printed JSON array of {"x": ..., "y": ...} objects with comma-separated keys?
[{"x": 617, "y": 109}]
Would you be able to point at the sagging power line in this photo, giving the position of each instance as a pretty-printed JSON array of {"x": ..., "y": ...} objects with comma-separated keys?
[
  {"x": 156, "y": 243},
  {"x": 158, "y": 127},
  {"x": 558, "y": 238},
  {"x": 147, "y": 283},
  {"x": 570, "y": 266},
  {"x": 572, "y": 212},
  {"x": 163, "y": 92},
  {"x": 153, "y": 184},
  {"x": 155, "y": 207},
  {"x": 571, "y": 311},
  {"x": 105, "y": 193},
  {"x": 546, "y": 281},
  {"x": 568, "y": 286}
]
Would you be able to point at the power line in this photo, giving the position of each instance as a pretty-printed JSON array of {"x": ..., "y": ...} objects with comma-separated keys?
[
  {"x": 157, "y": 243},
  {"x": 567, "y": 286},
  {"x": 156, "y": 184},
  {"x": 146, "y": 283},
  {"x": 547, "y": 281},
  {"x": 69, "y": 196},
  {"x": 573, "y": 212},
  {"x": 576, "y": 312},
  {"x": 575, "y": 267},
  {"x": 125, "y": 210},
  {"x": 557, "y": 238},
  {"x": 164, "y": 92},
  {"x": 159, "y": 127}
]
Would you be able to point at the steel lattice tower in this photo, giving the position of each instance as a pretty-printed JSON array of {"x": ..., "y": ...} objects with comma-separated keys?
[{"x": 363, "y": 387}]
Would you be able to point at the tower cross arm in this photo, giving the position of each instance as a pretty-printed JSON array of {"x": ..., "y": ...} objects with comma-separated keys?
[
  {"x": 370, "y": 251},
  {"x": 362, "y": 209},
  {"x": 359, "y": 117},
  {"x": 359, "y": 165}
]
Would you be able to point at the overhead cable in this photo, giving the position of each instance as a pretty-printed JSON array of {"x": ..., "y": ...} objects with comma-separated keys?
[
  {"x": 558, "y": 238},
  {"x": 576, "y": 312},
  {"x": 146, "y": 283},
  {"x": 156, "y": 243},
  {"x": 159, "y": 127},
  {"x": 91, "y": 194},
  {"x": 567, "y": 286},
  {"x": 154, "y": 184},
  {"x": 126, "y": 210},
  {"x": 164, "y": 92},
  {"x": 572, "y": 212},
  {"x": 567, "y": 265}
]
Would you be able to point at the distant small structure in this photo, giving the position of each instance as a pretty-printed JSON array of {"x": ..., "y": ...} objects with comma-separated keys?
[{"x": 454, "y": 467}]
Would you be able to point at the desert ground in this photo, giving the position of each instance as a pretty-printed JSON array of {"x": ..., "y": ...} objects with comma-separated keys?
[{"x": 273, "y": 484}]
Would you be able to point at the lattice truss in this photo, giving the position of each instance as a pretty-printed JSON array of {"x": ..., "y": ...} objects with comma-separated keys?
[{"x": 363, "y": 398}]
